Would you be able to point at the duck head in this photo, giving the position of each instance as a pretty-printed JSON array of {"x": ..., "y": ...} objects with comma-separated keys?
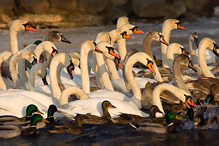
[
  {"x": 37, "y": 118},
  {"x": 52, "y": 109},
  {"x": 32, "y": 109},
  {"x": 153, "y": 110}
]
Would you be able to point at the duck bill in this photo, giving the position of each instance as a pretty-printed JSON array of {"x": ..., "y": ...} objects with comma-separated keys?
[
  {"x": 98, "y": 50},
  {"x": 63, "y": 39},
  {"x": 190, "y": 102},
  {"x": 58, "y": 111},
  {"x": 117, "y": 61},
  {"x": 162, "y": 40},
  {"x": 178, "y": 118},
  {"x": 138, "y": 31},
  {"x": 46, "y": 121},
  {"x": 40, "y": 112},
  {"x": 114, "y": 54},
  {"x": 127, "y": 36},
  {"x": 112, "y": 106}
]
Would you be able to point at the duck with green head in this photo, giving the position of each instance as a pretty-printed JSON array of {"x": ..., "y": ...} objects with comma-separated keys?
[
  {"x": 7, "y": 119},
  {"x": 9, "y": 131}
]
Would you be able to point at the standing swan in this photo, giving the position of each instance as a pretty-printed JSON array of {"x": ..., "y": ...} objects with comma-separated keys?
[{"x": 168, "y": 25}]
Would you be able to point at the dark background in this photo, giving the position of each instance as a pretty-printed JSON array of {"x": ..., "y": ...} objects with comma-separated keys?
[{"x": 76, "y": 13}]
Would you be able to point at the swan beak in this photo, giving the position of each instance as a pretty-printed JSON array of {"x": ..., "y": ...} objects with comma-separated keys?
[
  {"x": 126, "y": 36},
  {"x": 98, "y": 50},
  {"x": 150, "y": 66},
  {"x": 162, "y": 40},
  {"x": 46, "y": 121},
  {"x": 54, "y": 52},
  {"x": 115, "y": 42},
  {"x": 179, "y": 26},
  {"x": 40, "y": 112},
  {"x": 44, "y": 80},
  {"x": 29, "y": 27},
  {"x": 69, "y": 69},
  {"x": 215, "y": 50},
  {"x": 117, "y": 61},
  {"x": 138, "y": 31},
  {"x": 63, "y": 39},
  {"x": 192, "y": 67},
  {"x": 185, "y": 53},
  {"x": 189, "y": 101},
  {"x": 112, "y": 52}
]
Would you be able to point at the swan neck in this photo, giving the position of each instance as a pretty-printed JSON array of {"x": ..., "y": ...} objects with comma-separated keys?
[
  {"x": 13, "y": 41},
  {"x": 166, "y": 33},
  {"x": 122, "y": 49}
]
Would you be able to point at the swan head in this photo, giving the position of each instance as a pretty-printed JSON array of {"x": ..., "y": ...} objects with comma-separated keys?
[
  {"x": 103, "y": 36},
  {"x": 28, "y": 55},
  {"x": 130, "y": 29},
  {"x": 92, "y": 45},
  {"x": 108, "y": 50},
  {"x": 150, "y": 66},
  {"x": 156, "y": 36},
  {"x": 117, "y": 61},
  {"x": 215, "y": 50},
  {"x": 184, "y": 60},
  {"x": 56, "y": 36},
  {"x": 122, "y": 21},
  {"x": 184, "y": 51},
  {"x": 37, "y": 118},
  {"x": 118, "y": 34},
  {"x": 193, "y": 37},
  {"x": 32, "y": 109},
  {"x": 174, "y": 24},
  {"x": 19, "y": 25}
]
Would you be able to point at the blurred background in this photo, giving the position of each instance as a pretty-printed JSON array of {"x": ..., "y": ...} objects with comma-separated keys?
[{"x": 76, "y": 13}]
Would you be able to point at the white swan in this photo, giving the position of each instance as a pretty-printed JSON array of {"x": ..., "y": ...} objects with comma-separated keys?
[
  {"x": 210, "y": 44},
  {"x": 15, "y": 27},
  {"x": 93, "y": 105},
  {"x": 168, "y": 25},
  {"x": 172, "y": 50},
  {"x": 179, "y": 93},
  {"x": 58, "y": 62},
  {"x": 22, "y": 54}
]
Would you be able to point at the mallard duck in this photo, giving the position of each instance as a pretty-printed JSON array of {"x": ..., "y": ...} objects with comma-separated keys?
[
  {"x": 7, "y": 119},
  {"x": 9, "y": 131},
  {"x": 171, "y": 118},
  {"x": 92, "y": 119},
  {"x": 77, "y": 129}
]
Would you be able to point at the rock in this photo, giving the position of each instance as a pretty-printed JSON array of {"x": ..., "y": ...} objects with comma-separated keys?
[
  {"x": 175, "y": 9},
  {"x": 119, "y": 3},
  {"x": 66, "y": 5},
  {"x": 6, "y": 7},
  {"x": 33, "y": 6},
  {"x": 92, "y": 6},
  {"x": 149, "y": 8}
]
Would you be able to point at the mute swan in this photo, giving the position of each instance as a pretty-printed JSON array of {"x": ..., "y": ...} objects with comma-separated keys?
[
  {"x": 23, "y": 54},
  {"x": 58, "y": 62},
  {"x": 16, "y": 26},
  {"x": 168, "y": 25},
  {"x": 154, "y": 35},
  {"x": 206, "y": 43},
  {"x": 179, "y": 93},
  {"x": 172, "y": 49}
]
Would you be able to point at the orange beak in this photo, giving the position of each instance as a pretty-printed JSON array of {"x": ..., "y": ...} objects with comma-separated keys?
[
  {"x": 162, "y": 40},
  {"x": 150, "y": 66},
  {"x": 29, "y": 28},
  {"x": 181, "y": 27},
  {"x": 189, "y": 101},
  {"x": 138, "y": 31},
  {"x": 114, "y": 54},
  {"x": 127, "y": 36},
  {"x": 98, "y": 50},
  {"x": 117, "y": 61}
]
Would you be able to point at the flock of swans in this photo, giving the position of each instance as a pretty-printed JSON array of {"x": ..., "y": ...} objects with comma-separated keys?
[{"x": 39, "y": 79}]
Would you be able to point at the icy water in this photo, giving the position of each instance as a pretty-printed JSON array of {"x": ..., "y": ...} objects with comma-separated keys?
[{"x": 118, "y": 134}]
